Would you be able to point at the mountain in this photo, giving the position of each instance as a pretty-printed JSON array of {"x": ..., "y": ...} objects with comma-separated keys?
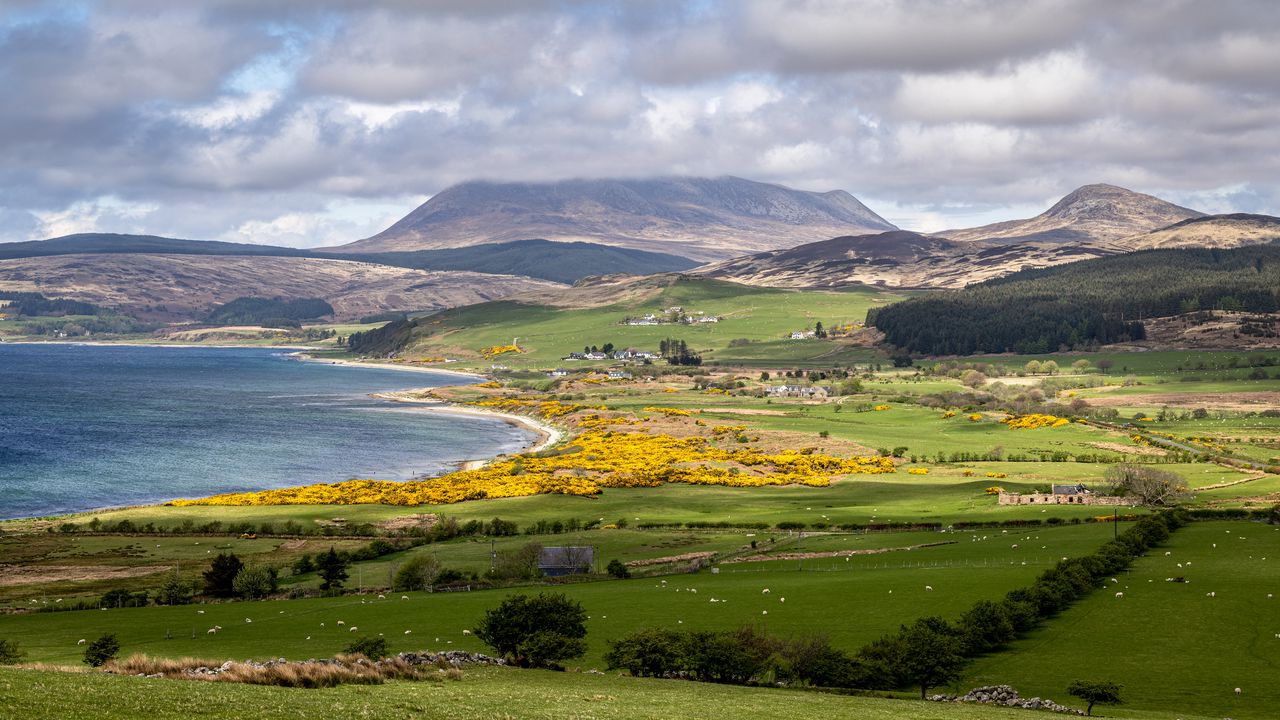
[
  {"x": 698, "y": 218},
  {"x": 900, "y": 258},
  {"x": 186, "y": 287},
  {"x": 557, "y": 262},
  {"x": 1091, "y": 215},
  {"x": 1210, "y": 231}
]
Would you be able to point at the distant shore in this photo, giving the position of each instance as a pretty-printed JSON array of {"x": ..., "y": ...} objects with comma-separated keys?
[
  {"x": 303, "y": 355},
  {"x": 547, "y": 434}
]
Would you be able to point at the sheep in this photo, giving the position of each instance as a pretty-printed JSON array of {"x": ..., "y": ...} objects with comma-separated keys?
[
  {"x": 81, "y": 641},
  {"x": 211, "y": 631},
  {"x": 382, "y": 597},
  {"x": 1238, "y": 692},
  {"x": 308, "y": 637},
  {"x": 353, "y": 628},
  {"x": 1115, "y": 581},
  {"x": 404, "y": 597},
  {"x": 199, "y": 612},
  {"x": 782, "y": 599},
  {"x": 764, "y": 591},
  {"x": 1211, "y": 594},
  {"x": 928, "y": 588},
  {"x": 1167, "y": 553},
  {"x": 764, "y": 612},
  {"x": 1015, "y": 546},
  {"x": 466, "y": 632},
  {"x": 408, "y": 632},
  {"x": 1119, "y": 595},
  {"x": 340, "y": 623}
]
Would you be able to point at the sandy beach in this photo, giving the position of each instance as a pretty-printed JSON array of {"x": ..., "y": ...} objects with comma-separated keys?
[
  {"x": 385, "y": 366},
  {"x": 548, "y": 435}
]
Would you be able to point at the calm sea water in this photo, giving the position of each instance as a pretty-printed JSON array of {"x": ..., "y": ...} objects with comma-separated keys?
[{"x": 83, "y": 427}]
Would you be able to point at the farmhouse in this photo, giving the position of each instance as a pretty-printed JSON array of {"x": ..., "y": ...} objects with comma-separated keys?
[
  {"x": 800, "y": 391},
  {"x": 1078, "y": 494},
  {"x": 801, "y": 334},
  {"x": 619, "y": 375},
  {"x": 558, "y": 372}
]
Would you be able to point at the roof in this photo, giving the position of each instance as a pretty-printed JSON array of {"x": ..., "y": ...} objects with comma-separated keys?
[{"x": 1077, "y": 489}]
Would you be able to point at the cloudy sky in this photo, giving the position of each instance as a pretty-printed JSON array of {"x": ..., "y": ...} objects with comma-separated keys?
[{"x": 315, "y": 122}]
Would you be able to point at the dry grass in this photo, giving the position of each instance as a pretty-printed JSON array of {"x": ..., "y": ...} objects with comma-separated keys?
[{"x": 343, "y": 669}]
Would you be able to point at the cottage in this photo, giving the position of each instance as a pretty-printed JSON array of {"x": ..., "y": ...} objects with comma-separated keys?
[
  {"x": 558, "y": 372},
  {"x": 1078, "y": 494},
  {"x": 812, "y": 392},
  {"x": 567, "y": 560},
  {"x": 801, "y": 334},
  {"x": 619, "y": 375},
  {"x": 595, "y": 356},
  {"x": 575, "y": 356}
]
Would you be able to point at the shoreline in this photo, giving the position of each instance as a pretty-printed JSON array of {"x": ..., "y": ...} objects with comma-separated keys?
[
  {"x": 132, "y": 343},
  {"x": 547, "y": 435},
  {"x": 303, "y": 356}
]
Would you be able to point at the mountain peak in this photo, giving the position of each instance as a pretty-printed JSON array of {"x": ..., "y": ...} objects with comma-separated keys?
[
  {"x": 1101, "y": 200},
  {"x": 696, "y": 217}
]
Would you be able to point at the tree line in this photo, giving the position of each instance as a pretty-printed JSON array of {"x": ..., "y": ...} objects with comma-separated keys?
[{"x": 1083, "y": 304}]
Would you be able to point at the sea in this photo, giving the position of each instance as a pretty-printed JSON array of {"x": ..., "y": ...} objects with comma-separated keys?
[{"x": 92, "y": 426}]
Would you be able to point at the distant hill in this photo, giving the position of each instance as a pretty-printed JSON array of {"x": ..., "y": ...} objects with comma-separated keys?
[
  {"x": 698, "y": 218},
  {"x": 563, "y": 262},
  {"x": 1092, "y": 214},
  {"x": 1082, "y": 304},
  {"x": 1210, "y": 231},
  {"x": 899, "y": 259},
  {"x": 185, "y": 287},
  {"x": 272, "y": 312}
]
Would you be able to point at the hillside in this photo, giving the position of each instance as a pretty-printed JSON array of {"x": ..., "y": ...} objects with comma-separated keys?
[
  {"x": 185, "y": 287},
  {"x": 899, "y": 259},
  {"x": 1087, "y": 303},
  {"x": 557, "y": 262},
  {"x": 753, "y": 327},
  {"x": 698, "y": 218},
  {"x": 1210, "y": 231},
  {"x": 1092, "y": 214}
]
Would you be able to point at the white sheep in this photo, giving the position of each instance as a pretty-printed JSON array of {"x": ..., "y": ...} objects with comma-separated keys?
[
  {"x": 81, "y": 641},
  {"x": 1167, "y": 553},
  {"x": 466, "y": 632},
  {"x": 308, "y": 637},
  {"x": 199, "y": 612},
  {"x": 382, "y": 597},
  {"x": 340, "y": 623},
  {"x": 1212, "y": 594},
  {"x": 353, "y": 628},
  {"x": 248, "y": 620},
  {"x": 1238, "y": 692},
  {"x": 764, "y": 591},
  {"x": 211, "y": 631},
  {"x": 408, "y": 632},
  {"x": 782, "y": 599},
  {"x": 1119, "y": 594},
  {"x": 764, "y": 612},
  {"x": 928, "y": 588},
  {"x": 404, "y": 597}
]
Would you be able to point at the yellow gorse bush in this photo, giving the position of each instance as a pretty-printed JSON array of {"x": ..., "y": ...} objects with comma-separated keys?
[
  {"x": 669, "y": 411},
  {"x": 595, "y": 460},
  {"x": 918, "y": 471},
  {"x": 495, "y": 350},
  {"x": 882, "y": 407},
  {"x": 1032, "y": 422}
]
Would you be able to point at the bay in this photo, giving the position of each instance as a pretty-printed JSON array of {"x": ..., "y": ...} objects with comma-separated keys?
[{"x": 87, "y": 426}]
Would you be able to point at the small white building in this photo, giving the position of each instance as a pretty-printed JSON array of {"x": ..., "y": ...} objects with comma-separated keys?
[
  {"x": 619, "y": 375},
  {"x": 558, "y": 372},
  {"x": 812, "y": 392}
]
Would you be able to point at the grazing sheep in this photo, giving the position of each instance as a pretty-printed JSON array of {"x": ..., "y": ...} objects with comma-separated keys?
[
  {"x": 248, "y": 620},
  {"x": 1211, "y": 594},
  {"x": 408, "y": 632},
  {"x": 211, "y": 631},
  {"x": 1167, "y": 553},
  {"x": 340, "y": 623},
  {"x": 928, "y": 588},
  {"x": 1113, "y": 580},
  {"x": 1015, "y": 546},
  {"x": 199, "y": 612},
  {"x": 782, "y": 599},
  {"x": 308, "y": 637},
  {"x": 353, "y": 628},
  {"x": 1237, "y": 692},
  {"x": 382, "y": 597},
  {"x": 81, "y": 641},
  {"x": 466, "y": 632},
  {"x": 764, "y": 612},
  {"x": 764, "y": 591},
  {"x": 1119, "y": 594},
  {"x": 404, "y": 597}
]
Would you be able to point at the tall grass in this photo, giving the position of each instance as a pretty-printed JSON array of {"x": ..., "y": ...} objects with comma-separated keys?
[{"x": 343, "y": 669}]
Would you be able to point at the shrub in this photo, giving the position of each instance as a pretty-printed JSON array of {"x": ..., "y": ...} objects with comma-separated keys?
[
  {"x": 536, "y": 631},
  {"x": 650, "y": 652},
  {"x": 256, "y": 581},
  {"x": 174, "y": 591},
  {"x": 417, "y": 573},
  {"x": 617, "y": 569},
  {"x": 101, "y": 650},
  {"x": 9, "y": 653},
  {"x": 372, "y": 648},
  {"x": 1095, "y": 691}
]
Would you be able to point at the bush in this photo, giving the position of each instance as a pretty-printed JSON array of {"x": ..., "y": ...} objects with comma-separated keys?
[
  {"x": 535, "y": 631},
  {"x": 617, "y": 569},
  {"x": 417, "y": 573},
  {"x": 174, "y": 591},
  {"x": 256, "y": 581},
  {"x": 9, "y": 653},
  {"x": 372, "y": 648},
  {"x": 651, "y": 652},
  {"x": 1095, "y": 691},
  {"x": 101, "y": 650}
]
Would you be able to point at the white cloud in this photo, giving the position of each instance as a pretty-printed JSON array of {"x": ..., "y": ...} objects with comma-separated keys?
[{"x": 1059, "y": 87}]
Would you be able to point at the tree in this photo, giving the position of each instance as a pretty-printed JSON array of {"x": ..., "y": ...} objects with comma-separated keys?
[
  {"x": 219, "y": 580},
  {"x": 651, "y": 652},
  {"x": 372, "y": 648},
  {"x": 174, "y": 591},
  {"x": 617, "y": 569},
  {"x": 256, "y": 581},
  {"x": 9, "y": 653},
  {"x": 1032, "y": 367},
  {"x": 1080, "y": 365},
  {"x": 416, "y": 573},
  {"x": 518, "y": 564},
  {"x": 973, "y": 378},
  {"x": 536, "y": 631},
  {"x": 101, "y": 650},
  {"x": 1095, "y": 691},
  {"x": 819, "y": 331},
  {"x": 1049, "y": 367},
  {"x": 1105, "y": 364},
  {"x": 1149, "y": 485},
  {"x": 332, "y": 568},
  {"x": 930, "y": 653}
]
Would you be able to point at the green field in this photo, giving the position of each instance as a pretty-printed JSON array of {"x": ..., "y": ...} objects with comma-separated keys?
[{"x": 1172, "y": 647}]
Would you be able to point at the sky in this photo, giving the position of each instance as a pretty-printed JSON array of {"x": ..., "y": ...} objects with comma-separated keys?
[{"x": 318, "y": 122}]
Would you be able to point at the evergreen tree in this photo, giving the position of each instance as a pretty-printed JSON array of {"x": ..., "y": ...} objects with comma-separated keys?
[
  {"x": 333, "y": 569},
  {"x": 219, "y": 580}
]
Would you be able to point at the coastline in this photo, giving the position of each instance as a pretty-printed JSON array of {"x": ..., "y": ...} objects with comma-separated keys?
[
  {"x": 305, "y": 357},
  {"x": 548, "y": 435}
]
